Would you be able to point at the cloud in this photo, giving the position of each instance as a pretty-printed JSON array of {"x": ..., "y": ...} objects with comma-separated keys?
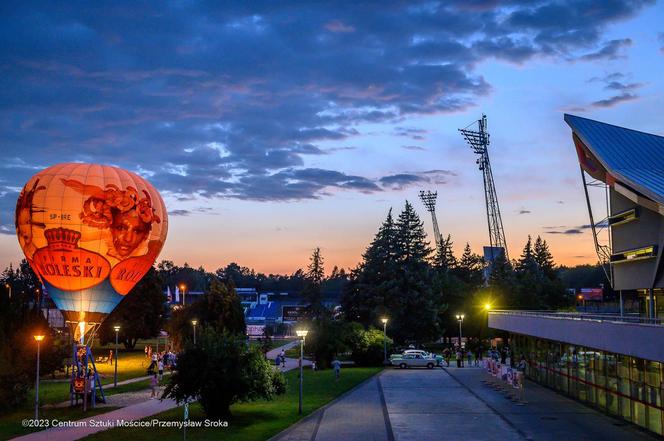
[
  {"x": 615, "y": 82},
  {"x": 660, "y": 37},
  {"x": 571, "y": 231},
  {"x": 211, "y": 101},
  {"x": 609, "y": 50},
  {"x": 522, "y": 211},
  {"x": 413, "y": 147},
  {"x": 401, "y": 181},
  {"x": 338, "y": 26}
]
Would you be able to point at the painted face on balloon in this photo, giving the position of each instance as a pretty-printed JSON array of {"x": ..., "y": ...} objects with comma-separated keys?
[{"x": 128, "y": 231}]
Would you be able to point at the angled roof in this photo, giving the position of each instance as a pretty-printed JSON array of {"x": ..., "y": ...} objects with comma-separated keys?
[{"x": 634, "y": 158}]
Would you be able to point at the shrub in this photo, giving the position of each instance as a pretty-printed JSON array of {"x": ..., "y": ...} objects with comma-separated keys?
[{"x": 221, "y": 370}]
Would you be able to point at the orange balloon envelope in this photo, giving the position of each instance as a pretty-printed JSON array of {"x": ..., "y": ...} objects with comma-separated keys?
[{"x": 90, "y": 232}]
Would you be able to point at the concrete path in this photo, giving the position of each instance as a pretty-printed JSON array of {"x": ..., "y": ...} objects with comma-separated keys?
[
  {"x": 101, "y": 422},
  {"x": 454, "y": 404},
  {"x": 291, "y": 363}
]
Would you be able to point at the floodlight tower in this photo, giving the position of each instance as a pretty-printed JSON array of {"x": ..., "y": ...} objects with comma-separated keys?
[
  {"x": 429, "y": 201},
  {"x": 479, "y": 142}
]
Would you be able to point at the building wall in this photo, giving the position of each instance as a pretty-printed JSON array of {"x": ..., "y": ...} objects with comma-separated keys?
[
  {"x": 634, "y": 339},
  {"x": 642, "y": 232},
  {"x": 626, "y": 387}
]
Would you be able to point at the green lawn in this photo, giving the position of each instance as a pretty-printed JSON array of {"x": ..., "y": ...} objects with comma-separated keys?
[{"x": 258, "y": 420}]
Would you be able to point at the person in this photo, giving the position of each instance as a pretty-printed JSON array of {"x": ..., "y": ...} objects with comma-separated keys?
[
  {"x": 447, "y": 356},
  {"x": 459, "y": 358},
  {"x": 160, "y": 367},
  {"x": 521, "y": 367},
  {"x": 336, "y": 365},
  {"x": 469, "y": 356},
  {"x": 478, "y": 355},
  {"x": 313, "y": 364},
  {"x": 146, "y": 351},
  {"x": 110, "y": 357},
  {"x": 283, "y": 358},
  {"x": 153, "y": 386},
  {"x": 277, "y": 361}
]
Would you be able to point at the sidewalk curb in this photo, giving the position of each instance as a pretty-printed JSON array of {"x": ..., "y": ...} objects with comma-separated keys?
[{"x": 318, "y": 413}]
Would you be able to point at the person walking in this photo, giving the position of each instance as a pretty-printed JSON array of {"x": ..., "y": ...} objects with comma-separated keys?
[
  {"x": 459, "y": 357},
  {"x": 160, "y": 368},
  {"x": 153, "y": 386},
  {"x": 447, "y": 356},
  {"x": 336, "y": 365}
]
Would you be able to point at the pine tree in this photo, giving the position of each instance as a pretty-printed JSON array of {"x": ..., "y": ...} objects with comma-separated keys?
[
  {"x": 470, "y": 267},
  {"x": 444, "y": 259},
  {"x": 363, "y": 298},
  {"x": 315, "y": 276},
  {"x": 544, "y": 259},
  {"x": 527, "y": 262}
]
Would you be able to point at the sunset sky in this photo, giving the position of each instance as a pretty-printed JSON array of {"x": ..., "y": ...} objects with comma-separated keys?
[{"x": 272, "y": 129}]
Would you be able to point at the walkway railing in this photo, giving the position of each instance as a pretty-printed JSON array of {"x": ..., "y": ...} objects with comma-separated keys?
[{"x": 597, "y": 317}]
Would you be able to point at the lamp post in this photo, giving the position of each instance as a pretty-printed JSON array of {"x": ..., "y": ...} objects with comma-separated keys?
[
  {"x": 459, "y": 318},
  {"x": 116, "y": 328},
  {"x": 183, "y": 288},
  {"x": 384, "y": 320},
  {"x": 38, "y": 339},
  {"x": 9, "y": 287},
  {"x": 302, "y": 333},
  {"x": 194, "y": 323}
]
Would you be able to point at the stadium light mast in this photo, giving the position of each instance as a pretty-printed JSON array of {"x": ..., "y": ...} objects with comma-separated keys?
[
  {"x": 479, "y": 142},
  {"x": 429, "y": 200}
]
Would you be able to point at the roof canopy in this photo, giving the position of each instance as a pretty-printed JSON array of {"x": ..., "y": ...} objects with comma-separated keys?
[{"x": 633, "y": 158}]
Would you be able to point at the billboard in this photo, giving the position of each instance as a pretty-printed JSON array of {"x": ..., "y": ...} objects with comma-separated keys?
[
  {"x": 591, "y": 294},
  {"x": 255, "y": 330},
  {"x": 293, "y": 313}
]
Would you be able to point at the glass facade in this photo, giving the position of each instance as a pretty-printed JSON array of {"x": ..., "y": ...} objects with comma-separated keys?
[{"x": 622, "y": 386}]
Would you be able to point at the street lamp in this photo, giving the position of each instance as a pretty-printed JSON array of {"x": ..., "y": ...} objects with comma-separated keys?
[
  {"x": 194, "y": 323},
  {"x": 38, "y": 339},
  {"x": 9, "y": 287},
  {"x": 183, "y": 288},
  {"x": 116, "y": 328},
  {"x": 459, "y": 318},
  {"x": 302, "y": 333},
  {"x": 384, "y": 320},
  {"x": 487, "y": 306}
]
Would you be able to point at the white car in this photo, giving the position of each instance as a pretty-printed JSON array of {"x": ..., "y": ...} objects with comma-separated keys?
[{"x": 414, "y": 360}]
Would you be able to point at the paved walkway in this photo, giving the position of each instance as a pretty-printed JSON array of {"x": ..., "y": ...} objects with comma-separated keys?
[
  {"x": 454, "y": 404},
  {"x": 136, "y": 411},
  {"x": 291, "y": 363}
]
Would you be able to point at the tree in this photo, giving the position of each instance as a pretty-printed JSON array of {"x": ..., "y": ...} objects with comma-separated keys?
[
  {"x": 313, "y": 290},
  {"x": 544, "y": 259},
  {"x": 373, "y": 280},
  {"x": 444, "y": 259},
  {"x": 367, "y": 346},
  {"x": 470, "y": 267},
  {"x": 19, "y": 321},
  {"x": 140, "y": 314},
  {"x": 221, "y": 370},
  {"x": 219, "y": 308}
]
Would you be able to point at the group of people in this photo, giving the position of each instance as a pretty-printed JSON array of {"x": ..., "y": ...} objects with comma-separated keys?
[
  {"x": 473, "y": 357},
  {"x": 159, "y": 361},
  {"x": 280, "y": 361}
]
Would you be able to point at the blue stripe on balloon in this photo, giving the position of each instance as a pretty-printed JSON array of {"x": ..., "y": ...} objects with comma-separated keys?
[{"x": 100, "y": 298}]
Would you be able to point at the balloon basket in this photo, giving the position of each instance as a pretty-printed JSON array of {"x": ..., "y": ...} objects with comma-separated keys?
[{"x": 85, "y": 382}]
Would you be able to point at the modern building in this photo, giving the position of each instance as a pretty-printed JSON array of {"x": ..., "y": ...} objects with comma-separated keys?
[{"x": 612, "y": 362}]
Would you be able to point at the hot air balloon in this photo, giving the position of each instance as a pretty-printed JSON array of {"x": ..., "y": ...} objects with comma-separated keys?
[{"x": 90, "y": 232}]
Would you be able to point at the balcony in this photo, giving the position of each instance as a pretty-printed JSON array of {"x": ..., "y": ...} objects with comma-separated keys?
[{"x": 629, "y": 335}]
